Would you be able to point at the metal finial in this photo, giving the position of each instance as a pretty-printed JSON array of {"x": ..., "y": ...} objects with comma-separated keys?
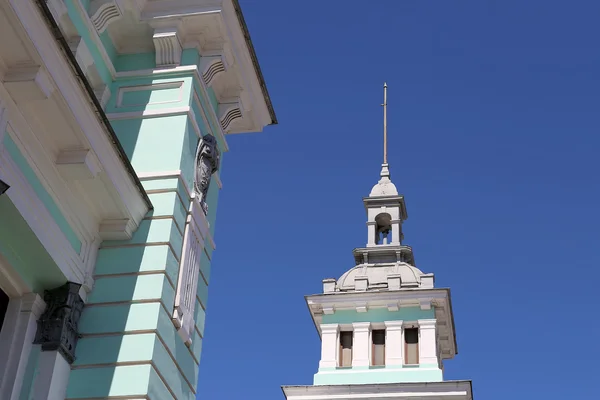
[{"x": 384, "y": 123}]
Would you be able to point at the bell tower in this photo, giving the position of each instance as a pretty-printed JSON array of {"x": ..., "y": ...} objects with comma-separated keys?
[{"x": 385, "y": 329}]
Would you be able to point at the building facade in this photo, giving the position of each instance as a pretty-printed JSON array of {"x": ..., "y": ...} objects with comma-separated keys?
[
  {"x": 385, "y": 328},
  {"x": 113, "y": 123}
]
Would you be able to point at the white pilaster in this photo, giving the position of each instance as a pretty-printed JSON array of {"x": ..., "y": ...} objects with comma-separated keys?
[
  {"x": 396, "y": 232},
  {"x": 371, "y": 233},
  {"x": 360, "y": 345},
  {"x": 18, "y": 347},
  {"x": 52, "y": 378},
  {"x": 427, "y": 342},
  {"x": 394, "y": 343},
  {"x": 329, "y": 345}
]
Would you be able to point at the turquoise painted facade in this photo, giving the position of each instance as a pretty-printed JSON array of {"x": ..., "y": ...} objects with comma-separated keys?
[{"x": 126, "y": 163}]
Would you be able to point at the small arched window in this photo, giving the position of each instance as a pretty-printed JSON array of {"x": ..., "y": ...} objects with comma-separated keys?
[{"x": 383, "y": 228}]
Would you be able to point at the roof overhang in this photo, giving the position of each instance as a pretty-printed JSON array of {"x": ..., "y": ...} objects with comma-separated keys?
[
  {"x": 217, "y": 29},
  {"x": 447, "y": 390},
  {"x": 59, "y": 130},
  {"x": 439, "y": 299}
]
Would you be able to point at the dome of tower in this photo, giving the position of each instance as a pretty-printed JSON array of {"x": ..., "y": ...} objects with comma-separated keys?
[
  {"x": 379, "y": 277},
  {"x": 384, "y": 187}
]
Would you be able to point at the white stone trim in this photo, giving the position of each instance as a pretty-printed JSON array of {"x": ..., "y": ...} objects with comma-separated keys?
[
  {"x": 27, "y": 84},
  {"x": 149, "y": 113},
  {"x": 329, "y": 345},
  {"x": 427, "y": 342},
  {"x": 78, "y": 164},
  {"x": 360, "y": 344},
  {"x": 212, "y": 67},
  {"x": 229, "y": 113},
  {"x": 167, "y": 47},
  {"x": 394, "y": 343},
  {"x": 16, "y": 342},
  {"x": 154, "y": 86},
  {"x": 189, "y": 273},
  {"x": 449, "y": 390},
  {"x": 104, "y": 12}
]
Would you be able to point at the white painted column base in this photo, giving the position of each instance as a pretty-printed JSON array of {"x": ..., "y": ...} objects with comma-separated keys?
[{"x": 53, "y": 377}]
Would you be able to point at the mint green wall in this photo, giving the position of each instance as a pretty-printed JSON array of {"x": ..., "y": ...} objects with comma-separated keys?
[
  {"x": 23, "y": 250},
  {"x": 378, "y": 315},
  {"x": 128, "y": 315},
  {"x": 41, "y": 192},
  {"x": 378, "y": 375}
]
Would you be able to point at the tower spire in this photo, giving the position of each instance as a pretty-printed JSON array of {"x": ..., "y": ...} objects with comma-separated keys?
[{"x": 384, "y": 123}]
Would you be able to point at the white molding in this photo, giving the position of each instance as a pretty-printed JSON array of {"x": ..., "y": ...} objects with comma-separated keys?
[
  {"x": 117, "y": 229},
  {"x": 78, "y": 164},
  {"x": 26, "y": 84},
  {"x": 189, "y": 273},
  {"x": 167, "y": 47},
  {"x": 154, "y": 86},
  {"x": 447, "y": 390},
  {"x": 228, "y": 113},
  {"x": 104, "y": 12},
  {"x": 211, "y": 68},
  {"x": 149, "y": 113}
]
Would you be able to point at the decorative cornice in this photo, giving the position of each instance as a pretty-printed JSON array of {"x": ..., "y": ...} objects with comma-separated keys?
[
  {"x": 228, "y": 112},
  {"x": 167, "y": 47},
  {"x": 211, "y": 67},
  {"x": 104, "y": 12}
]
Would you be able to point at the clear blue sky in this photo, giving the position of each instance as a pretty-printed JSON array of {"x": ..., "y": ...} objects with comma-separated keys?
[{"x": 494, "y": 117}]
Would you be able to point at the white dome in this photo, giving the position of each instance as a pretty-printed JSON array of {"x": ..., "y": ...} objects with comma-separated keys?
[
  {"x": 384, "y": 187},
  {"x": 377, "y": 276}
]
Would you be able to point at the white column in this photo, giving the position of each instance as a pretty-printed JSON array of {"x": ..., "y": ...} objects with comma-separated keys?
[
  {"x": 360, "y": 344},
  {"x": 24, "y": 325},
  {"x": 53, "y": 377},
  {"x": 329, "y": 345},
  {"x": 371, "y": 233},
  {"x": 394, "y": 343},
  {"x": 427, "y": 342},
  {"x": 396, "y": 232}
]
